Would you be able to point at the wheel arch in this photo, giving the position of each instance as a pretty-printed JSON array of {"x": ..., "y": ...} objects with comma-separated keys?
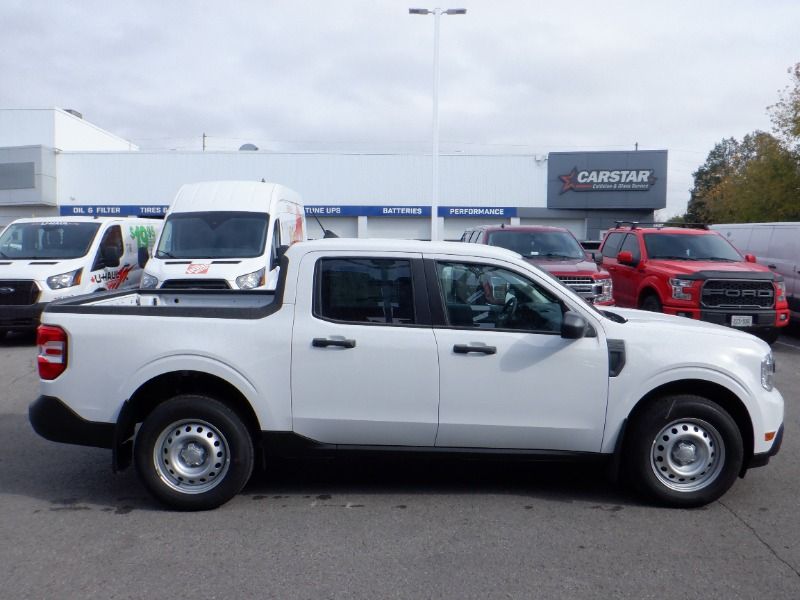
[
  {"x": 167, "y": 385},
  {"x": 648, "y": 289},
  {"x": 710, "y": 390}
]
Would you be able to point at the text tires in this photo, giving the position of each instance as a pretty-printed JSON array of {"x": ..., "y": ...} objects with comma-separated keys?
[
  {"x": 683, "y": 451},
  {"x": 193, "y": 453}
]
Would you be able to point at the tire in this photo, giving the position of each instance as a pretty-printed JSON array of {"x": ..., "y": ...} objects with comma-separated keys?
[
  {"x": 206, "y": 467},
  {"x": 683, "y": 451},
  {"x": 3, "y": 333},
  {"x": 770, "y": 335},
  {"x": 651, "y": 303}
]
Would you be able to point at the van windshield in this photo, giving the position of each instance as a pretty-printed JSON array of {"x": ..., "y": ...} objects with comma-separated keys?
[
  {"x": 538, "y": 244},
  {"x": 214, "y": 234},
  {"x": 54, "y": 240},
  {"x": 680, "y": 246}
]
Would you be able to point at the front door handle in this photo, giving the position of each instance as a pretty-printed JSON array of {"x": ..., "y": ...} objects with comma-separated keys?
[
  {"x": 772, "y": 266},
  {"x": 466, "y": 349},
  {"x": 325, "y": 342}
]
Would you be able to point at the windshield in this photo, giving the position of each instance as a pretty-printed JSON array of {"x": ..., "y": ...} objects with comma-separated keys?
[
  {"x": 47, "y": 240},
  {"x": 678, "y": 246},
  {"x": 543, "y": 244},
  {"x": 216, "y": 234}
]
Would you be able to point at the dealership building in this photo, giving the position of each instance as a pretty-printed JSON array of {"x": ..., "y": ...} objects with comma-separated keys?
[{"x": 53, "y": 162}]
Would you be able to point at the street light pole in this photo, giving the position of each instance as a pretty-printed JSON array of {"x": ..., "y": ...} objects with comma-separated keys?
[{"x": 436, "y": 12}]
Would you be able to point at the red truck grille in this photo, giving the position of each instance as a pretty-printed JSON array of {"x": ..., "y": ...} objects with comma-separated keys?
[
  {"x": 732, "y": 293},
  {"x": 18, "y": 292}
]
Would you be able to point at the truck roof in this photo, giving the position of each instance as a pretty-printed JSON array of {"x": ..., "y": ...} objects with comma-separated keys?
[
  {"x": 394, "y": 245},
  {"x": 246, "y": 196}
]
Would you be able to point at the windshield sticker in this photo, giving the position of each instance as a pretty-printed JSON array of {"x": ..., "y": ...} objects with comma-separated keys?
[{"x": 197, "y": 269}]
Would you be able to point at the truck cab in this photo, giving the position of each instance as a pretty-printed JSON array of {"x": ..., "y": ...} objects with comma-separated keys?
[{"x": 225, "y": 235}]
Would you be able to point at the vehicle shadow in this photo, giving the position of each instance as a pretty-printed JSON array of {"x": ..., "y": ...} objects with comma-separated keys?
[{"x": 68, "y": 477}]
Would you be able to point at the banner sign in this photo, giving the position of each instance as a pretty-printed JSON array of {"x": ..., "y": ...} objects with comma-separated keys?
[
  {"x": 367, "y": 211},
  {"x": 477, "y": 211},
  {"x": 117, "y": 210}
]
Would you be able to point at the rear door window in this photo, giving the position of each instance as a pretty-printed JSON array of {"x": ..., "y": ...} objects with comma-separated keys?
[
  {"x": 631, "y": 244},
  {"x": 365, "y": 291}
]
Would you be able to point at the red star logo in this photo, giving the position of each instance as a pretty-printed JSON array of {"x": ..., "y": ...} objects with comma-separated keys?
[{"x": 568, "y": 180}]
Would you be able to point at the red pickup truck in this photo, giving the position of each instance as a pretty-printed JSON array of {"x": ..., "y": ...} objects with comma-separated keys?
[
  {"x": 553, "y": 249},
  {"x": 694, "y": 273}
]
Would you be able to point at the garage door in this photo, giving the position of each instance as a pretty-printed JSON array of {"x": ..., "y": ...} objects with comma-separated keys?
[{"x": 407, "y": 228}]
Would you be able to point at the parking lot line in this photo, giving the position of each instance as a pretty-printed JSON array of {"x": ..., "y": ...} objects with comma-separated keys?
[{"x": 795, "y": 346}]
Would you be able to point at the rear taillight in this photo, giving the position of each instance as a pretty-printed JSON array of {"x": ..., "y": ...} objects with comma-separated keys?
[{"x": 52, "y": 357}]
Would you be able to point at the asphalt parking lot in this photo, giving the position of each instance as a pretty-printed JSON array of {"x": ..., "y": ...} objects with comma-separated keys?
[{"x": 69, "y": 528}]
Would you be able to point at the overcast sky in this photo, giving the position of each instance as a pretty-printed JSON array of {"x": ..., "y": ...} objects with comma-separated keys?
[{"x": 516, "y": 76}]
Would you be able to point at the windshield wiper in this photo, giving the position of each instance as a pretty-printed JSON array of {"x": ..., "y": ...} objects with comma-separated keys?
[
  {"x": 719, "y": 258},
  {"x": 165, "y": 254},
  {"x": 554, "y": 255},
  {"x": 672, "y": 258}
]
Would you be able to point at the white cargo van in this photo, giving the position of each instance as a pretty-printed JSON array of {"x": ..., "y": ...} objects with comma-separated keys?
[
  {"x": 775, "y": 245},
  {"x": 45, "y": 259},
  {"x": 226, "y": 235}
]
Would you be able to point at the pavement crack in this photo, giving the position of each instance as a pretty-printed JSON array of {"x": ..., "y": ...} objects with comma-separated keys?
[{"x": 758, "y": 537}]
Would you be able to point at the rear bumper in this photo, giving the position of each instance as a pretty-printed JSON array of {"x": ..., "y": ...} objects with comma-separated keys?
[
  {"x": 21, "y": 316},
  {"x": 55, "y": 421},
  {"x": 762, "y": 459}
]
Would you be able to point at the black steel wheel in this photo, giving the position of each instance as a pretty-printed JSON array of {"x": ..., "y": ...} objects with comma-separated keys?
[
  {"x": 683, "y": 451},
  {"x": 193, "y": 453}
]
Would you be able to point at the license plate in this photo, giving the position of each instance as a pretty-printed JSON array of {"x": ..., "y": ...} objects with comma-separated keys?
[{"x": 741, "y": 321}]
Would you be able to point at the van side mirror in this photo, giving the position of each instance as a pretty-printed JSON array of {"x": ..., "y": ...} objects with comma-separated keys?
[
  {"x": 626, "y": 258},
  {"x": 749, "y": 258},
  {"x": 279, "y": 252},
  {"x": 573, "y": 326},
  {"x": 110, "y": 256},
  {"x": 143, "y": 256}
]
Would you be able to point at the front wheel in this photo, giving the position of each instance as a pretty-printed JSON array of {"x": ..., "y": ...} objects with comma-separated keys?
[
  {"x": 684, "y": 451},
  {"x": 651, "y": 303},
  {"x": 193, "y": 453}
]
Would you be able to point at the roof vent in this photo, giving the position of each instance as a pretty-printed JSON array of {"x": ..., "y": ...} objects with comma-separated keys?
[
  {"x": 248, "y": 147},
  {"x": 73, "y": 112}
]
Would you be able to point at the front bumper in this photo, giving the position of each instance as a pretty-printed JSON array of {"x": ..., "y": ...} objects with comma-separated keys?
[
  {"x": 762, "y": 319},
  {"x": 762, "y": 459},
  {"x": 55, "y": 421},
  {"x": 21, "y": 316}
]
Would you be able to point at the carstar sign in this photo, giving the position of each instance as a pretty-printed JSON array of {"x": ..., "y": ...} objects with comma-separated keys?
[{"x": 605, "y": 180}]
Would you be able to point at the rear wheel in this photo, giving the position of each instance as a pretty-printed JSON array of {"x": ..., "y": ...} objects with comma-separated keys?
[
  {"x": 684, "y": 451},
  {"x": 193, "y": 453},
  {"x": 651, "y": 303}
]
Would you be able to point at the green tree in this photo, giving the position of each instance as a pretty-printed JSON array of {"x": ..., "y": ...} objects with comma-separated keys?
[{"x": 785, "y": 113}]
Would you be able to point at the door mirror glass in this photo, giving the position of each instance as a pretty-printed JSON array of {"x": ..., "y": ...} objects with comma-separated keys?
[
  {"x": 625, "y": 258},
  {"x": 110, "y": 256},
  {"x": 573, "y": 326}
]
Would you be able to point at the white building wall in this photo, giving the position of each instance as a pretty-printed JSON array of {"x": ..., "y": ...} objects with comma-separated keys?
[
  {"x": 75, "y": 134},
  {"x": 339, "y": 179}
]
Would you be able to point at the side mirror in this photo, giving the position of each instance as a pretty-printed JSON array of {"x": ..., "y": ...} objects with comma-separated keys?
[
  {"x": 279, "y": 252},
  {"x": 626, "y": 258},
  {"x": 749, "y": 258},
  {"x": 110, "y": 256},
  {"x": 143, "y": 256},
  {"x": 573, "y": 326},
  {"x": 597, "y": 257}
]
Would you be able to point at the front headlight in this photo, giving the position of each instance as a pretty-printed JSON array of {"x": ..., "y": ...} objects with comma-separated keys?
[
  {"x": 605, "y": 293},
  {"x": 768, "y": 372},
  {"x": 65, "y": 280},
  {"x": 678, "y": 286},
  {"x": 252, "y": 280},
  {"x": 148, "y": 281},
  {"x": 781, "y": 286}
]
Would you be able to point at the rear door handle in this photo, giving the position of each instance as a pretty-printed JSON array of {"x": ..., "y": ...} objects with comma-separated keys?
[
  {"x": 325, "y": 342},
  {"x": 466, "y": 349}
]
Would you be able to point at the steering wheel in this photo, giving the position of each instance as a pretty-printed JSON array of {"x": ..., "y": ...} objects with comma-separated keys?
[{"x": 508, "y": 311}]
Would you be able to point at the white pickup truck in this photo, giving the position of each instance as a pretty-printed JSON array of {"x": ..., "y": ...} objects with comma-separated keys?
[{"x": 402, "y": 346}]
